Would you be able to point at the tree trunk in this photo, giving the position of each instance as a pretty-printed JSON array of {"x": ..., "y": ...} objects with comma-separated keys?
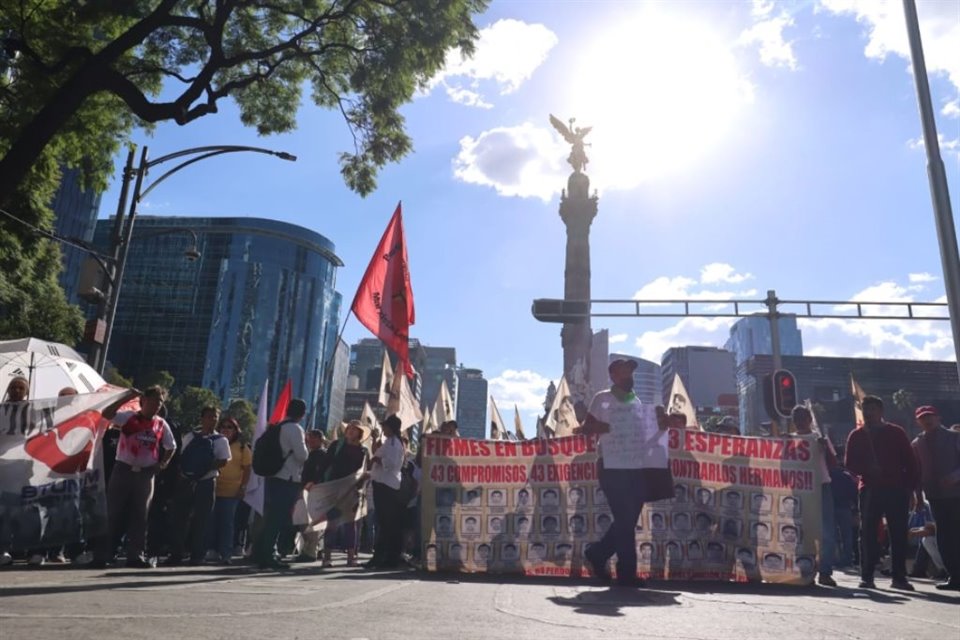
[{"x": 35, "y": 136}]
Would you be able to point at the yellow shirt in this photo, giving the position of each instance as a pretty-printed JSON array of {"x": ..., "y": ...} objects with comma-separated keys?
[{"x": 228, "y": 482}]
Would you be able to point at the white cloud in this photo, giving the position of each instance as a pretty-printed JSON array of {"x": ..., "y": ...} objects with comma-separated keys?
[
  {"x": 722, "y": 272},
  {"x": 525, "y": 389},
  {"x": 507, "y": 53},
  {"x": 887, "y": 33},
  {"x": 950, "y": 146},
  {"x": 523, "y": 161},
  {"x": 922, "y": 277},
  {"x": 688, "y": 331},
  {"x": 951, "y": 109},
  {"x": 767, "y": 34},
  {"x": 617, "y": 338}
]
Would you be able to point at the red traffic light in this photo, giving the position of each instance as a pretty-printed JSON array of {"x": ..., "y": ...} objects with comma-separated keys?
[
  {"x": 786, "y": 383},
  {"x": 784, "y": 392}
]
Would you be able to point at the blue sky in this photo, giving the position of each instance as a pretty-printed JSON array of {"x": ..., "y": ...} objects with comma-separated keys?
[{"x": 738, "y": 147}]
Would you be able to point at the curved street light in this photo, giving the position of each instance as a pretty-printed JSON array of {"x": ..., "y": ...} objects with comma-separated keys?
[{"x": 123, "y": 229}]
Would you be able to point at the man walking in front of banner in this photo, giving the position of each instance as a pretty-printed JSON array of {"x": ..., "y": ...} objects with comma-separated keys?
[
  {"x": 938, "y": 451},
  {"x": 282, "y": 488},
  {"x": 634, "y": 468},
  {"x": 880, "y": 453}
]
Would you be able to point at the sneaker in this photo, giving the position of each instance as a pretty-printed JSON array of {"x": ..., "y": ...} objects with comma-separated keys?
[
  {"x": 212, "y": 556},
  {"x": 951, "y": 585},
  {"x": 137, "y": 563},
  {"x": 867, "y": 584},
  {"x": 329, "y": 563},
  {"x": 84, "y": 558},
  {"x": 902, "y": 584},
  {"x": 826, "y": 580},
  {"x": 5, "y": 559},
  {"x": 58, "y": 558},
  {"x": 36, "y": 560}
]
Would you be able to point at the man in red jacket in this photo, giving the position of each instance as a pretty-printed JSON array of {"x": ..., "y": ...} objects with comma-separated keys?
[{"x": 880, "y": 454}]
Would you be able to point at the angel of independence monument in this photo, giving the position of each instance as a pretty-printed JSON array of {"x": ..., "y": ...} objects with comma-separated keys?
[{"x": 577, "y": 210}]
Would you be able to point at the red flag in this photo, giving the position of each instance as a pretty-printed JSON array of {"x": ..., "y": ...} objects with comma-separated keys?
[
  {"x": 384, "y": 300},
  {"x": 280, "y": 409}
]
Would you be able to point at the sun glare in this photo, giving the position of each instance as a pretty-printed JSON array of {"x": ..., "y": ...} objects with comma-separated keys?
[{"x": 659, "y": 90}]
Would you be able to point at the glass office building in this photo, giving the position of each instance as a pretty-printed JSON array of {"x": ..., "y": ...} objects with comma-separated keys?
[
  {"x": 75, "y": 209},
  {"x": 259, "y": 304}
]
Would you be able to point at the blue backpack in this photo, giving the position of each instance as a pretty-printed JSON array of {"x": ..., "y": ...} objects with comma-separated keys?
[{"x": 198, "y": 457}]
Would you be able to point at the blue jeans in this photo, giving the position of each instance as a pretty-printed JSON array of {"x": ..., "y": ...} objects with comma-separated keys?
[
  {"x": 828, "y": 542},
  {"x": 224, "y": 513},
  {"x": 843, "y": 518},
  {"x": 278, "y": 500}
]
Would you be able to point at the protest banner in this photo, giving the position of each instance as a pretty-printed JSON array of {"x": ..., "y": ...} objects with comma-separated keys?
[
  {"x": 330, "y": 504},
  {"x": 743, "y": 508},
  {"x": 52, "y": 486}
]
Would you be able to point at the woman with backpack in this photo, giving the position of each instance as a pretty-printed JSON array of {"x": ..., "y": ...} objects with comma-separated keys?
[
  {"x": 385, "y": 472},
  {"x": 343, "y": 458},
  {"x": 230, "y": 487}
]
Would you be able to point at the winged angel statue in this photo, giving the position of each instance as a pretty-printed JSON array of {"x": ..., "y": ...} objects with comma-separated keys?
[{"x": 578, "y": 156}]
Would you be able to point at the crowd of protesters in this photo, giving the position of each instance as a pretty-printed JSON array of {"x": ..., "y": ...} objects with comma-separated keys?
[{"x": 180, "y": 496}]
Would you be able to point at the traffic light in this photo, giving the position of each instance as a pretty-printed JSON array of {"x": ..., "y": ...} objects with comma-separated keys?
[
  {"x": 561, "y": 311},
  {"x": 784, "y": 392}
]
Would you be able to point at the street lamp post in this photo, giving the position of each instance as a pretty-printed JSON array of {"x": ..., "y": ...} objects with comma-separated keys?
[{"x": 123, "y": 229}]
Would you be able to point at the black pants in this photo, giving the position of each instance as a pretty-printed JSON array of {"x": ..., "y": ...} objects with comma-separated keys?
[
  {"x": 193, "y": 505},
  {"x": 875, "y": 504},
  {"x": 946, "y": 513},
  {"x": 389, "y": 515},
  {"x": 278, "y": 500},
  {"x": 622, "y": 489}
]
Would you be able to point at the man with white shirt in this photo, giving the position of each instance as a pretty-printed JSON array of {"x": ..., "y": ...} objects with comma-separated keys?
[
  {"x": 283, "y": 488},
  {"x": 633, "y": 464},
  {"x": 193, "y": 503},
  {"x": 385, "y": 476}
]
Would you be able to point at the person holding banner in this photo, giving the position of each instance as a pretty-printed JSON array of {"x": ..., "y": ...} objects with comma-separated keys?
[
  {"x": 634, "y": 468},
  {"x": 344, "y": 458},
  {"x": 385, "y": 474},
  {"x": 826, "y": 457}
]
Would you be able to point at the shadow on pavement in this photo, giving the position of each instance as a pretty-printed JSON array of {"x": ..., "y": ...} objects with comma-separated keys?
[
  {"x": 46, "y": 590},
  {"x": 610, "y": 603}
]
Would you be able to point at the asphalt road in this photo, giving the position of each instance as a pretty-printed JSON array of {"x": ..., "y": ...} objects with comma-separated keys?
[{"x": 310, "y": 602}]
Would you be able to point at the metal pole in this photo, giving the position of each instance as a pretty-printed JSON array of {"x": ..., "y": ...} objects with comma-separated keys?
[
  {"x": 774, "y": 317},
  {"x": 124, "y": 249},
  {"x": 946, "y": 232},
  {"x": 98, "y": 353}
]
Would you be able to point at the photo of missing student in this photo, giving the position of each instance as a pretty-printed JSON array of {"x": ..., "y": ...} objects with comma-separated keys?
[
  {"x": 444, "y": 526},
  {"x": 473, "y": 497},
  {"x": 524, "y": 499},
  {"x": 790, "y": 506},
  {"x": 549, "y": 525},
  {"x": 760, "y": 503},
  {"x": 446, "y": 497}
]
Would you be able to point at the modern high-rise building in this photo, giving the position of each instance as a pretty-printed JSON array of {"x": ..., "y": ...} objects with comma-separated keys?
[
  {"x": 471, "y": 403},
  {"x": 751, "y": 336},
  {"x": 339, "y": 373},
  {"x": 440, "y": 363},
  {"x": 647, "y": 382},
  {"x": 259, "y": 304},
  {"x": 366, "y": 361},
  {"x": 708, "y": 373},
  {"x": 903, "y": 385},
  {"x": 76, "y": 209}
]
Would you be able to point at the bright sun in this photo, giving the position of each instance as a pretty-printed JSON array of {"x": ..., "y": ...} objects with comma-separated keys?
[{"x": 659, "y": 91}]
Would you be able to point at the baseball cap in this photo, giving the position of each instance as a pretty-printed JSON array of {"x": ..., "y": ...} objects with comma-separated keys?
[
  {"x": 926, "y": 410},
  {"x": 620, "y": 363}
]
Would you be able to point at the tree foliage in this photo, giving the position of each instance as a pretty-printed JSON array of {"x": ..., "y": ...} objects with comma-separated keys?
[
  {"x": 82, "y": 70},
  {"x": 163, "y": 378},
  {"x": 114, "y": 377},
  {"x": 185, "y": 407},
  {"x": 242, "y": 411}
]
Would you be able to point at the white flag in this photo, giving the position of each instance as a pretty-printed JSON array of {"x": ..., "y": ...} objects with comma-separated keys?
[
  {"x": 369, "y": 418},
  {"x": 517, "y": 424},
  {"x": 680, "y": 402},
  {"x": 444, "y": 409},
  {"x": 858, "y": 395},
  {"x": 386, "y": 380},
  {"x": 562, "y": 418},
  {"x": 402, "y": 403},
  {"x": 253, "y": 495},
  {"x": 497, "y": 430}
]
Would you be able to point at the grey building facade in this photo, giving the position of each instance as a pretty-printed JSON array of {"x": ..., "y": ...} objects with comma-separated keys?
[
  {"x": 472, "y": 403},
  {"x": 751, "y": 336},
  {"x": 708, "y": 373}
]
